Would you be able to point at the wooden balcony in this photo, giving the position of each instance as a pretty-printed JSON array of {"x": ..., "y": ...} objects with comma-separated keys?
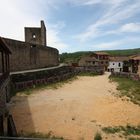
[{"x": 3, "y": 78}]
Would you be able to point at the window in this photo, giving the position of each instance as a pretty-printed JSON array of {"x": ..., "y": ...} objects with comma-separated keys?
[
  {"x": 102, "y": 62},
  {"x": 93, "y": 62},
  {"x": 34, "y": 35},
  {"x": 119, "y": 64},
  {"x": 113, "y": 63},
  {"x": 33, "y": 46}
]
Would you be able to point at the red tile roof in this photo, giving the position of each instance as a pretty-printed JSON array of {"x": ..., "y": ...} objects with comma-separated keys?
[
  {"x": 101, "y": 53},
  {"x": 119, "y": 58}
]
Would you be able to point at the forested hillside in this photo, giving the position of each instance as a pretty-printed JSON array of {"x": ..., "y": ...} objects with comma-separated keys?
[{"x": 64, "y": 57}]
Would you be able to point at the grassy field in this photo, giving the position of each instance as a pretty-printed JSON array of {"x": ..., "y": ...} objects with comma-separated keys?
[
  {"x": 48, "y": 136},
  {"x": 130, "y": 132},
  {"x": 129, "y": 88}
]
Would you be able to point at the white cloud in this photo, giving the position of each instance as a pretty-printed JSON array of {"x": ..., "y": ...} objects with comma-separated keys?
[
  {"x": 93, "y": 2},
  {"x": 117, "y": 43},
  {"x": 53, "y": 36},
  {"x": 107, "y": 45},
  {"x": 130, "y": 27},
  {"x": 116, "y": 13},
  {"x": 126, "y": 28},
  {"x": 15, "y": 15}
]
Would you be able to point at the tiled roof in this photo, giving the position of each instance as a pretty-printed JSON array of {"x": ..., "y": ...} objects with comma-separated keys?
[
  {"x": 89, "y": 58},
  {"x": 136, "y": 57},
  {"x": 119, "y": 58},
  {"x": 101, "y": 53}
]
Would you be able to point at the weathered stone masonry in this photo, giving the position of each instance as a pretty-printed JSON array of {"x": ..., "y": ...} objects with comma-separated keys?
[
  {"x": 33, "y": 53},
  {"x": 27, "y": 56}
]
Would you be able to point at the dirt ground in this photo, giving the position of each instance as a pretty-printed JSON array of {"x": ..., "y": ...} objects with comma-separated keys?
[{"x": 75, "y": 111}]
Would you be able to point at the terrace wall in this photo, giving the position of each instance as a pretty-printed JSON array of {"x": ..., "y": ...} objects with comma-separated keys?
[
  {"x": 27, "y": 56},
  {"x": 132, "y": 76},
  {"x": 28, "y": 80}
]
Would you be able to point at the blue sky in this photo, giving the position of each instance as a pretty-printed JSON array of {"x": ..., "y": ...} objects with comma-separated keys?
[{"x": 75, "y": 25}]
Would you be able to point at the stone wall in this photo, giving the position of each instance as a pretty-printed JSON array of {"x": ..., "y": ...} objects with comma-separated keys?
[
  {"x": 26, "y": 56},
  {"x": 28, "y": 80},
  {"x": 132, "y": 76},
  {"x": 90, "y": 69},
  {"x": 36, "y": 35}
]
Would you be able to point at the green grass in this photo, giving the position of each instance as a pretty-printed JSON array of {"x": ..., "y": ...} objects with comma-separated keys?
[
  {"x": 47, "y": 86},
  {"x": 128, "y": 87},
  {"x": 128, "y": 130},
  {"x": 41, "y": 135},
  {"x": 98, "y": 136},
  {"x": 88, "y": 74},
  {"x": 132, "y": 138}
]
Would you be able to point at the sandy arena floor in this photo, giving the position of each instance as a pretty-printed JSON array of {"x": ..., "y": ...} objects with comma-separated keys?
[{"x": 76, "y": 110}]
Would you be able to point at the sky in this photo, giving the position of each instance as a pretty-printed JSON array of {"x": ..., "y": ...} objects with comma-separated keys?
[{"x": 75, "y": 25}]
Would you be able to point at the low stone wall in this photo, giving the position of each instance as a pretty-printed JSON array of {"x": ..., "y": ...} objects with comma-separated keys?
[
  {"x": 29, "y": 80},
  {"x": 93, "y": 69},
  {"x": 132, "y": 76}
]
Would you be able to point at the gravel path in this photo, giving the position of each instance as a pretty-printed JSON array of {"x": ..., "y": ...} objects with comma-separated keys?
[{"x": 76, "y": 110}]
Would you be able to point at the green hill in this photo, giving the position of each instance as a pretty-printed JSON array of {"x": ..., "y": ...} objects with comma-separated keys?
[{"x": 74, "y": 57}]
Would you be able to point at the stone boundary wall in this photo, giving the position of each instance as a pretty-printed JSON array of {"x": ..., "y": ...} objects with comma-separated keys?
[
  {"x": 92, "y": 69},
  {"x": 132, "y": 76},
  {"x": 27, "y": 56},
  {"x": 29, "y": 80}
]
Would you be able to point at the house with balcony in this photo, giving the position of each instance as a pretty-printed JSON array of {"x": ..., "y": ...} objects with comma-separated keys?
[
  {"x": 88, "y": 61},
  {"x": 118, "y": 64},
  {"x": 7, "y": 127},
  {"x": 135, "y": 64},
  {"x": 100, "y": 59}
]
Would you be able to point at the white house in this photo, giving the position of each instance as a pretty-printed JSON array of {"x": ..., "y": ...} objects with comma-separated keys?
[{"x": 116, "y": 64}]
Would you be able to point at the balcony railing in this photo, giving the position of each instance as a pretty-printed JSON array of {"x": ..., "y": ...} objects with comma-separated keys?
[{"x": 3, "y": 77}]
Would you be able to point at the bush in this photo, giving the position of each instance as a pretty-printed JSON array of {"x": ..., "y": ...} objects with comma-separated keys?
[{"x": 98, "y": 136}]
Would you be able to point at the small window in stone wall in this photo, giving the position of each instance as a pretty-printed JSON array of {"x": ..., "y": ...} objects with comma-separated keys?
[
  {"x": 33, "y": 46},
  {"x": 119, "y": 64},
  {"x": 34, "y": 35}
]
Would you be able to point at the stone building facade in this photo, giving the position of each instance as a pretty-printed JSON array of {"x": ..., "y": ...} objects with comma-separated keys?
[
  {"x": 36, "y": 35},
  {"x": 135, "y": 64},
  {"x": 88, "y": 61},
  {"x": 117, "y": 64},
  {"x": 95, "y": 59},
  {"x": 33, "y": 53}
]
